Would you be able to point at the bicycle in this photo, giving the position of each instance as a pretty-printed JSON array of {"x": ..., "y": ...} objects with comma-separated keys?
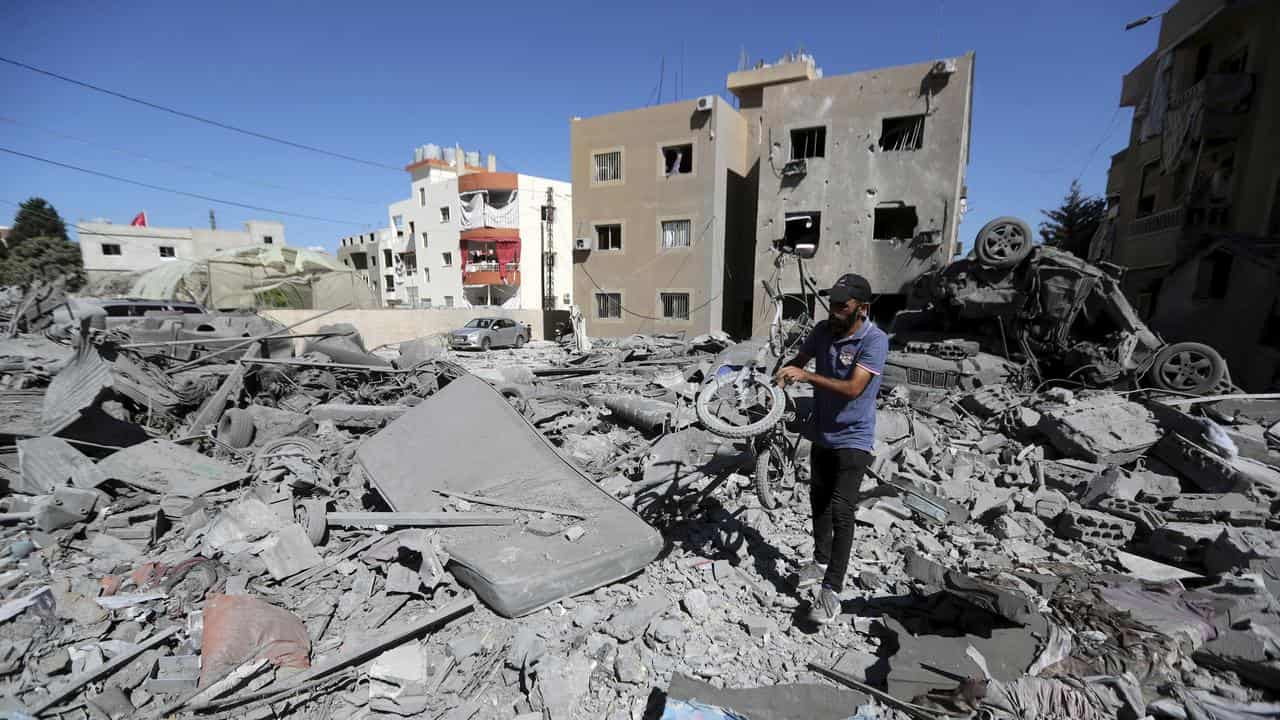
[{"x": 750, "y": 391}]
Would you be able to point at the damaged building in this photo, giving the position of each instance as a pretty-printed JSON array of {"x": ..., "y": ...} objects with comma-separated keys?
[
  {"x": 677, "y": 205},
  {"x": 1195, "y": 197}
]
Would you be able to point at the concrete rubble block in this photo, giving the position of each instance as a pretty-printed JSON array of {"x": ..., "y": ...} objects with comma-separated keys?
[
  {"x": 1095, "y": 528},
  {"x": 1244, "y": 549},
  {"x": 1111, "y": 483},
  {"x": 168, "y": 467},
  {"x": 1102, "y": 428},
  {"x": 1181, "y": 542},
  {"x": 758, "y": 626},
  {"x": 1069, "y": 476},
  {"x": 997, "y": 600},
  {"x": 175, "y": 674},
  {"x": 629, "y": 665},
  {"x": 695, "y": 603},
  {"x": 288, "y": 552},
  {"x": 243, "y": 521},
  {"x": 667, "y": 631},
  {"x": 1145, "y": 517},
  {"x": 513, "y": 571},
  {"x": 989, "y": 401},
  {"x": 527, "y": 648},
  {"x": 400, "y": 671},
  {"x": 1136, "y": 566},
  {"x": 1214, "y": 473},
  {"x": 1232, "y": 508},
  {"x": 631, "y": 621},
  {"x": 64, "y": 507},
  {"x": 464, "y": 646},
  {"x": 562, "y": 683},
  {"x": 48, "y": 462}
]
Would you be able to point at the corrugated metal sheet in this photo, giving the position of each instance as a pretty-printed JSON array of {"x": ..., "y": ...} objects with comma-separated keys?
[
  {"x": 48, "y": 462},
  {"x": 75, "y": 388},
  {"x": 20, "y": 412}
]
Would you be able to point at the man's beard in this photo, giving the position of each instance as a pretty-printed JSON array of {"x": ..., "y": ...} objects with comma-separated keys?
[{"x": 839, "y": 325}]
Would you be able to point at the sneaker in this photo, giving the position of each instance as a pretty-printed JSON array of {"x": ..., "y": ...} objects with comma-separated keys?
[
  {"x": 825, "y": 606},
  {"x": 810, "y": 574}
]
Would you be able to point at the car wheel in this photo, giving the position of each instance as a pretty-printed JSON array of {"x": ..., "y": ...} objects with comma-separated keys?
[
  {"x": 485, "y": 344},
  {"x": 1188, "y": 367},
  {"x": 1003, "y": 243},
  {"x": 519, "y": 341}
]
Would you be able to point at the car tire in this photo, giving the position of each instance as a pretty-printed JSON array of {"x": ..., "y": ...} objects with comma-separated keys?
[
  {"x": 1003, "y": 243},
  {"x": 236, "y": 428},
  {"x": 1188, "y": 367},
  {"x": 485, "y": 344},
  {"x": 519, "y": 341}
]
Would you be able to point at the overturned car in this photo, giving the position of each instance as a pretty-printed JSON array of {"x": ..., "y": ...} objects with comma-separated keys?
[{"x": 1064, "y": 317}]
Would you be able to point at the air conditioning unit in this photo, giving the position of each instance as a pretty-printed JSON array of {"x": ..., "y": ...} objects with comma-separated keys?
[
  {"x": 706, "y": 102},
  {"x": 582, "y": 244}
]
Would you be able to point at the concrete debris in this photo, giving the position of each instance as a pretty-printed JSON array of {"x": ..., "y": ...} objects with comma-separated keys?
[{"x": 271, "y": 535}]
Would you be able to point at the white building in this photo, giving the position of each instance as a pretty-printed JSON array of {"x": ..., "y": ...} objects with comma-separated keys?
[
  {"x": 109, "y": 249},
  {"x": 469, "y": 236}
]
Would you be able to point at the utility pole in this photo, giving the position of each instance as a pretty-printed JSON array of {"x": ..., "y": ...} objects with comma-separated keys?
[
  {"x": 213, "y": 222},
  {"x": 549, "y": 256}
]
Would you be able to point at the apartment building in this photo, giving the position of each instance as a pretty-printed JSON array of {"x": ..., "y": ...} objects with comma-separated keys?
[
  {"x": 469, "y": 236},
  {"x": 1195, "y": 197},
  {"x": 109, "y": 249},
  {"x": 678, "y": 207}
]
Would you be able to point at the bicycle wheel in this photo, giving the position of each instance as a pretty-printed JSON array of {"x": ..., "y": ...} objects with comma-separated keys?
[
  {"x": 766, "y": 391},
  {"x": 773, "y": 471}
]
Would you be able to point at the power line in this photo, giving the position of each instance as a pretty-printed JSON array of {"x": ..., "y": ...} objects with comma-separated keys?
[
  {"x": 198, "y": 118},
  {"x": 184, "y": 166},
  {"x": 198, "y": 196}
]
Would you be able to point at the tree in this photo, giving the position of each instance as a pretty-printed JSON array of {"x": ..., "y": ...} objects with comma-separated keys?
[
  {"x": 1071, "y": 226},
  {"x": 36, "y": 218},
  {"x": 43, "y": 258}
]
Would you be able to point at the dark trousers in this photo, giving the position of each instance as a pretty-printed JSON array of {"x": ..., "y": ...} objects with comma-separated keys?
[{"x": 836, "y": 476}]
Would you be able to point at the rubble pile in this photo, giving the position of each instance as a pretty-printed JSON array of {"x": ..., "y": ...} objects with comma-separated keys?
[{"x": 304, "y": 528}]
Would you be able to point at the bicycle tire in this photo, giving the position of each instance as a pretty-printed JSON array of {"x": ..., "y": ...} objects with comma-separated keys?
[
  {"x": 764, "y": 483},
  {"x": 739, "y": 432}
]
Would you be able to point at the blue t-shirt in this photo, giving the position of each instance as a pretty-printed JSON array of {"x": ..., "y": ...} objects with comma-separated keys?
[{"x": 842, "y": 422}]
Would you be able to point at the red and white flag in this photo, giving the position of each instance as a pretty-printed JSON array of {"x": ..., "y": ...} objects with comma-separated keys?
[{"x": 140, "y": 220}]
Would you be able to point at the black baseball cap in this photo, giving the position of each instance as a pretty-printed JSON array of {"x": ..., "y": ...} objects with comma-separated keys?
[{"x": 850, "y": 286}]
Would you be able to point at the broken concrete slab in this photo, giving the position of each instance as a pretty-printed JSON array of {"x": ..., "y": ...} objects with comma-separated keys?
[
  {"x": 999, "y": 601},
  {"x": 513, "y": 571},
  {"x": 1095, "y": 528},
  {"x": 630, "y": 622},
  {"x": 288, "y": 552},
  {"x": 1104, "y": 428}
]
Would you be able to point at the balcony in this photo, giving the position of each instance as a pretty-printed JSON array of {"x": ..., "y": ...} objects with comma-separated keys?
[
  {"x": 1158, "y": 222},
  {"x": 477, "y": 181},
  {"x": 487, "y": 273}
]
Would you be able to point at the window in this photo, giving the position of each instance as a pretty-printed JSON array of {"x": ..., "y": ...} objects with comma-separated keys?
[
  {"x": 902, "y": 133},
  {"x": 398, "y": 221},
  {"x": 676, "y": 233},
  {"x": 607, "y": 167},
  {"x": 448, "y": 301},
  {"x": 444, "y": 214},
  {"x": 677, "y": 159},
  {"x": 386, "y": 259},
  {"x": 895, "y": 223},
  {"x": 808, "y": 143},
  {"x": 267, "y": 240},
  {"x": 166, "y": 251},
  {"x": 1213, "y": 276},
  {"x": 675, "y": 306},
  {"x": 424, "y": 240},
  {"x": 446, "y": 259},
  {"x": 608, "y": 237},
  {"x": 609, "y": 306},
  {"x": 426, "y": 302},
  {"x": 426, "y": 274},
  {"x": 1202, "y": 62},
  {"x": 801, "y": 233},
  {"x": 360, "y": 261},
  {"x": 1147, "y": 190},
  {"x": 422, "y": 197},
  {"x": 389, "y": 282},
  {"x": 110, "y": 249}
]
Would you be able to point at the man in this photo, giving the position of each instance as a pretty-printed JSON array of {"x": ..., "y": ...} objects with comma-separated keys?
[{"x": 850, "y": 353}]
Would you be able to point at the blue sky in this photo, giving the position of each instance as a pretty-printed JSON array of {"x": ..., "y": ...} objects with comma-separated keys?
[{"x": 374, "y": 80}]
